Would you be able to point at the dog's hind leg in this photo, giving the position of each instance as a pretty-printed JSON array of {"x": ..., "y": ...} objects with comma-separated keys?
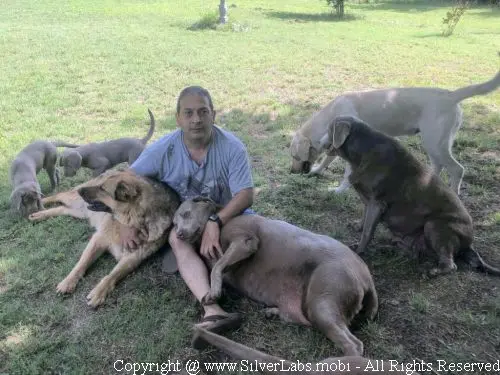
[
  {"x": 439, "y": 148},
  {"x": 445, "y": 243},
  {"x": 330, "y": 308},
  {"x": 125, "y": 265},
  {"x": 237, "y": 251},
  {"x": 96, "y": 246}
]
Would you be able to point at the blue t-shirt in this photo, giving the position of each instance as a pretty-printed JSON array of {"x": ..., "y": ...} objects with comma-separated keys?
[{"x": 224, "y": 171}]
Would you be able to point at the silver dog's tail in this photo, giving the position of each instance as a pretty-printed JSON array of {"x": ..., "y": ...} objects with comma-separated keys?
[
  {"x": 64, "y": 144},
  {"x": 151, "y": 128},
  {"x": 472, "y": 257},
  {"x": 473, "y": 90}
]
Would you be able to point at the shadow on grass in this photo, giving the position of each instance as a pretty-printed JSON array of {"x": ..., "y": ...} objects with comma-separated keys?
[
  {"x": 402, "y": 6},
  {"x": 311, "y": 17}
]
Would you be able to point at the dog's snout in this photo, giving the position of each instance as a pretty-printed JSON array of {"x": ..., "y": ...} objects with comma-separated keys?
[{"x": 181, "y": 234}]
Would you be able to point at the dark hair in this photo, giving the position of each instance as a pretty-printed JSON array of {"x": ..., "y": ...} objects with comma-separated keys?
[{"x": 194, "y": 90}]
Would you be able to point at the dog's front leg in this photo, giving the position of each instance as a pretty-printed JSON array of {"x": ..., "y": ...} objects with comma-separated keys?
[
  {"x": 325, "y": 162},
  {"x": 126, "y": 265},
  {"x": 96, "y": 246},
  {"x": 345, "y": 184},
  {"x": 239, "y": 250},
  {"x": 373, "y": 211}
]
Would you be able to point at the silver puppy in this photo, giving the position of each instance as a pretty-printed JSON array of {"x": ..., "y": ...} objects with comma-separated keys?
[
  {"x": 26, "y": 193},
  {"x": 104, "y": 155}
]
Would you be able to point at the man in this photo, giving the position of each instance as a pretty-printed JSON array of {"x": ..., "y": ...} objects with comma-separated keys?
[{"x": 199, "y": 159}]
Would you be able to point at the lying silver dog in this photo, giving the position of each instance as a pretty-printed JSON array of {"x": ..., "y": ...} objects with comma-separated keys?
[
  {"x": 104, "y": 155},
  {"x": 26, "y": 194},
  {"x": 255, "y": 360},
  {"x": 303, "y": 277},
  {"x": 433, "y": 112},
  {"x": 398, "y": 190}
]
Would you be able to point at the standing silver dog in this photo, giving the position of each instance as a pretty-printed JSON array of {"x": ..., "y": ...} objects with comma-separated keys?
[
  {"x": 26, "y": 193},
  {"x": 104, "y": 155},
  {"x": 433, "y": 112}
]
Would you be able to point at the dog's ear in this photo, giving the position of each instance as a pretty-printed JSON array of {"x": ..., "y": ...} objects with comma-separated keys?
[
  {"x": 338, "y": 131},
  {"x": 203, "y": 198},
  {"x": 300, "y": 147},
  {"x": 208, "y": 200},
  {"x": 157, "y": 225},
  {"x": 126, "y": 192}
]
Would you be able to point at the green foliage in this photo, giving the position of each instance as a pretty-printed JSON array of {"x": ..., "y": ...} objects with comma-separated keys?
[
  {"x": 453, "y": 16},
  {"x": 338, "y": 5},
  {"x": 208, "y": 21}
]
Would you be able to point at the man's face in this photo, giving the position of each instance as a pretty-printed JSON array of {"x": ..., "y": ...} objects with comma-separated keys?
[{"x": 195, "y": 117}]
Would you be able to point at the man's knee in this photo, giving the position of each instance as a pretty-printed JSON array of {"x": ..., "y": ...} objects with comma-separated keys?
[{"x": 179, "y": 247}]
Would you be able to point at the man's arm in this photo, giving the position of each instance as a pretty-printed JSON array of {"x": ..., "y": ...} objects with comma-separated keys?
[
  {"x": 239, "y": 203},
  {"x": 210, "y": 244}
]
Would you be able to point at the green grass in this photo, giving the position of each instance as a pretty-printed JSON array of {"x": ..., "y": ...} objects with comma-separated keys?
[{"x": 84, "y": 71}]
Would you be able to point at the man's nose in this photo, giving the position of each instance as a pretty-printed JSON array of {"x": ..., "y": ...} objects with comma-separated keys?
[{"x": 195, "y": 117}]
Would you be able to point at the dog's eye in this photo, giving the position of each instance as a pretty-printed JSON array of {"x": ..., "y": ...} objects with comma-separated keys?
[{"x": 186, "y": 215}]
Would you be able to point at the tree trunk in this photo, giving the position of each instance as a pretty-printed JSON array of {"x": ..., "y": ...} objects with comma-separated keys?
[{"x": 223, "y": 18}]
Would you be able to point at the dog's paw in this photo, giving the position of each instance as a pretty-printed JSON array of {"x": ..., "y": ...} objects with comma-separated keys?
[
  {"x": 98, "y": 295},
  {"x": 442, "y": 270},
  {"x": 67, "y": 286},
  {"x": 356, "y": 226},
  {"x": 208, "y": 299},
  {"x": 271, "y": 312},
  {"x": 36, "y": 216}
]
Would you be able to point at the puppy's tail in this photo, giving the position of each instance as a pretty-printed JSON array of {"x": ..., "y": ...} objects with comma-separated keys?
[
  {"x": 64, "y": 144},
  {"x": 472, "y": 257},
  {"x": 473, "y": 90},
  {"x": 151, "y": 128}
]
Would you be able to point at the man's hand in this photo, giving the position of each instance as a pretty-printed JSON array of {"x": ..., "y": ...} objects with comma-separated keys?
[
  {"x": 131, "y": 238},
  {"x": 210, "y": 246}
]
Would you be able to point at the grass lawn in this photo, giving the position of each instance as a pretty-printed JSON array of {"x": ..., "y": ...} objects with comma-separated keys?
[{"x": 84, "y": 71}]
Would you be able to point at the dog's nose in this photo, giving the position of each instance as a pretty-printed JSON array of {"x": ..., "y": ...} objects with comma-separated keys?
[{"x": 180, "y": 234}]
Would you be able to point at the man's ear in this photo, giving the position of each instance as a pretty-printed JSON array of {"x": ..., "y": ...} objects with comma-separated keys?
[
  {"x": 125, "y": 192},
  {"x": 213, "y": 118},
  {"x": 177, "y": 120},
  {"x": 338, "y": 131}
]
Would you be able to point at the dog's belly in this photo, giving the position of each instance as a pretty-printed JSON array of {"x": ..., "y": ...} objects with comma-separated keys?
[{"x": 273, "y": 287}]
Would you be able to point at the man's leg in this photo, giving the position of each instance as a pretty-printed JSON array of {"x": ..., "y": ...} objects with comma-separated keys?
[{"x": 195, "y": 274}]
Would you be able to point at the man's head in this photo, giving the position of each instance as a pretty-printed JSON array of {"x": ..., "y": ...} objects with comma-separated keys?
[{"x": 195, "y": 113}]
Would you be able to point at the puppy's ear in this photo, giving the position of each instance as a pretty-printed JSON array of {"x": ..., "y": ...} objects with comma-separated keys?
[
  {"x": 338, "y": 131},
  {"x": 125, "y": 192},
  {"x": 300, "y": 147}
]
